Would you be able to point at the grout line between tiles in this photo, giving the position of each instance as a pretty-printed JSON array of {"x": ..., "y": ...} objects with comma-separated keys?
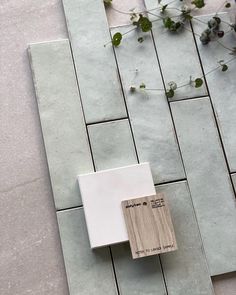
[
  {"x": 214, "y": 114},
  {"x": 70, "y": 208},
  {"x": 107, "y": 121},
  {"x": 188, "y": 98},
  {"x": 170, "y": 182}
]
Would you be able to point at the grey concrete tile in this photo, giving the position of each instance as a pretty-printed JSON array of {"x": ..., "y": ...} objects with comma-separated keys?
[
  {"x": 225, "y": 284},
  {"x": 30, "y": 242},
  {"x": 186, "y": 268},
  {"x": 112, "y": 144},
  {"x": 139, "y": 276},
  {"x": 21, "y": 147},
  {"x": 95, "y": 64},
  {"x": 149, "y": 111},
  {"x": 31, "y": 259},
  {"x": 88, "y": 272},
  {"x": 209, "y": 181},
  {"x": 221, "y": 85},
  {"x": 62, "y": 121},
  {"x": 177, "y": 54}
]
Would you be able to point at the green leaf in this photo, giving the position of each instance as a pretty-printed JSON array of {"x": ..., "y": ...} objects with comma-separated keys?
[
  {"x": 170, "y": 93},
  {"x": 164, "y": 8},
  {"x": 107, "y": 2},
  {"x": 198, "y": 82},
  {"x": 228, "y": 5},
  {"x": 116, "y": 39},
  {"x": 198, "y": 3},
  {"x": 145, "y": 24},
  {"x": 132, "y": 88},
  {"x": 142, "y": 86},
  {"x": 168, "y": 22},
  {"x": 140, "y": 39},
  {"x": 171, "y": 25},
  {"x": 224, "y": 68}
]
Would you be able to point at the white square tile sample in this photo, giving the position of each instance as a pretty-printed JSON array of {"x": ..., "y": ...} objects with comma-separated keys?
[{"x": 102, "y": 193}]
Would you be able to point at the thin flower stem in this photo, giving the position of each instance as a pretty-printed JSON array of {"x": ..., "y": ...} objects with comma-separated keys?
[{"x": 190, "y": 82}]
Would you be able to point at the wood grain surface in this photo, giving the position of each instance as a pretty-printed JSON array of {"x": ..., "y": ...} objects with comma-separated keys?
[{"x": 149, "y": 225}]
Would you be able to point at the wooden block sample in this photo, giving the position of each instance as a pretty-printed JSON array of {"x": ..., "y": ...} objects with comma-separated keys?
[{"x": 149, "y": 225}]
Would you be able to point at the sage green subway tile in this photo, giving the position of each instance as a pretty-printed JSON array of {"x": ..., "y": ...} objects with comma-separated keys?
[
  {"x": 186, "y": 268},
  {"x": 112, "y": 144},
  {"x": 209, "y": 181},
  {"x": 62, "y": 121},
  {"x": 137, "y": 276},
  {"x": 95, "y": 64},
  {"x": 221, "y": 85},
  {"x": 88, "y": 271},
  {"x": 177, "y": 52},
  {"x": 148, "y": 110}
]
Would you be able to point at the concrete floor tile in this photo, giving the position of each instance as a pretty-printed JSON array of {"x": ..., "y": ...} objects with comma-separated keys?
[
  {"x": 31, "y": 256},
  {"x": 225, "y": 284}
]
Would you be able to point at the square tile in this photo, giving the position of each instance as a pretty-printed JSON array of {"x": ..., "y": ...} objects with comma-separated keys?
[{"x": 102, "y": 193}]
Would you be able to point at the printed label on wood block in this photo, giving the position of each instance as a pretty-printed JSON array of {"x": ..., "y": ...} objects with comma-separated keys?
[{"x": 149, "y": 225}]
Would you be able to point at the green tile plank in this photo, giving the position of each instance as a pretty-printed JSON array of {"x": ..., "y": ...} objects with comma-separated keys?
[
  {"x": 177, "y": 53},
  {"x": 88, "y": 272},
  {"x": 139, "y": 276},
  {"x": 112, "y": 146},
  {"x": 186, "y": 268},
  {"x": 95, "y": 64},
  {"x": 209, "y": 181},
  {"x": 221, "y": 85},
  {"x": 62, "y": 121},
  {"x": 149, "y": 111}
]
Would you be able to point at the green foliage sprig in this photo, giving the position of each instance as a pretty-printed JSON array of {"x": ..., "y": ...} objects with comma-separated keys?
[{"x": 213, "y": 32}]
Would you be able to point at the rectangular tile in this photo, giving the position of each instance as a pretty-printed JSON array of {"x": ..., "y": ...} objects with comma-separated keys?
[
  {"x": 177, "y": 53},
  {"x": 209, "y": 181},
  {"x": 88, "y": 272},
  {"x": 221, "y": 85},
  {"x": 95, "y": 64},
  {"x": 148, "y": 110},
  {"x": 112, "y": 144},
  {"x": 62, "y": 121},
  {"x": 186, "y": 268}
]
